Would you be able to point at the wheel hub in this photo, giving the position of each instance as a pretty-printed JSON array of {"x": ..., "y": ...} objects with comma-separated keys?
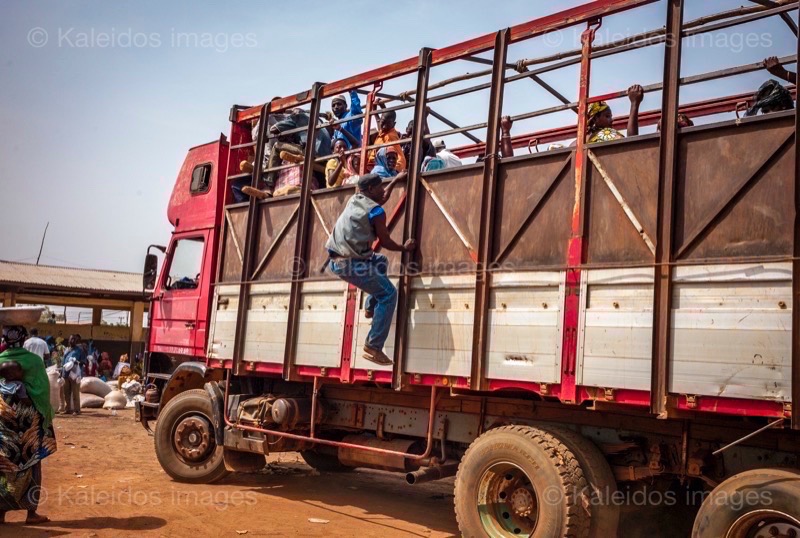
[
  {"x": 778, "y": 530},
  {"x": 522, "y": 502},
  {"x": 193, "y": 438},
  {"x": 765, "y": 523}
]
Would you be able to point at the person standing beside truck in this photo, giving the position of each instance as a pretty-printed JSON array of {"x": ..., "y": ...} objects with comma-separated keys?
[{"x": 353, "y": 260}]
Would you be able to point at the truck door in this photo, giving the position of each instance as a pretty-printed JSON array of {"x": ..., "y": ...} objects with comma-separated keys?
[{"x": 175, "y": 310}]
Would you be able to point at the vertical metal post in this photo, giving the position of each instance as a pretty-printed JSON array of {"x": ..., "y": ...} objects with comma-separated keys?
[
  {"x": 249, "y": 246},
  {"x": 796, "y": 277},
  {"x": 300, "y": 262},
  {"x": 488, "y": 208},
  {"x": 569, "y": 343},
  {"x": 667, "y": 175},
  {"x": 412, "y": 207}
]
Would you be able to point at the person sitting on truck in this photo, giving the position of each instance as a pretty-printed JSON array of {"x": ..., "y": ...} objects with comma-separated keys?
[
  {"x": 353, "y": 169},
  {"x": 600, "y": 120},
  {"x": 286, "y": 150},
  {"x": 771, "y": 97},
  {"x": 336, "y": 170},
  {"x": 428, "y": 151},
  {"x": 388, "y": 133},
  {"x": 683, "y": 121},
  {"x": 386, "y": 163},
  {"x": 349, "y": 131},
  {"x": 353, "y": 260}
]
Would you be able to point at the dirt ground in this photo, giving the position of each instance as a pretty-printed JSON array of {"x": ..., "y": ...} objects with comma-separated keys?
[{"x": 104, "y": 480}]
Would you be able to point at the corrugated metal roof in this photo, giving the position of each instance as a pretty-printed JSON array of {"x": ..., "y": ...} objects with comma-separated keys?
[{"x": 90, "y": 280}]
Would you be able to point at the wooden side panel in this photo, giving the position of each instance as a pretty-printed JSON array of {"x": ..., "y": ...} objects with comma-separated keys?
[
  {"x": 321, "y": 319},
  {"x": 715, "y": 166},
  {"x": 622, "y": 201},
  {"x": 276, "y": 236},
  {"x": 449, "y": 221},
  {"x": 535, "y": 204},
  {"x": 267, "y": 317},
  {"x": 233, "y": 244}
]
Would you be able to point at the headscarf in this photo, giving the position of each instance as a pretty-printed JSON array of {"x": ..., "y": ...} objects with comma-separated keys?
[
  {"x": 594, "y": 110},
  {"x": 771, "y": 95},
  {"x": 350, "y": 166},
  {"x": 382, "y": 165},
  {"x": 15, "y": 335}
]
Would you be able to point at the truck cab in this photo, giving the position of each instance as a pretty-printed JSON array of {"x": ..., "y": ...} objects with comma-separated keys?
[{"x": 181, "y": 289}]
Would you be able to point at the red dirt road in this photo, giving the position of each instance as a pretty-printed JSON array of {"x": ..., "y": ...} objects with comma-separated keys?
[{"x": 105, "y": 481}]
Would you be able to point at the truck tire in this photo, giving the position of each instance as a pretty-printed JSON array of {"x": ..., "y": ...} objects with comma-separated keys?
[
  {"x": 325, "y": 463},
  {"x": 184, "y": 440},
  {"x": 520, "y": 481},
  {"x": 757, "y": 503},
  {"x": 600, "y": 480}
]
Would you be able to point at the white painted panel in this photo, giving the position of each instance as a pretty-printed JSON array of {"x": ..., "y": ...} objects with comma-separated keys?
[
  {"x": 525, "y": 320},
  {"x": 440, "y": 325},
  {"x": 267, "y": 321},
  {"x": 615, "y": 328},
  {"x": 223, "y": 322},
  {"x": 321, "y": 322},
  {"x": 732, "y": 331},
  {"x": 362, "y": 327}
]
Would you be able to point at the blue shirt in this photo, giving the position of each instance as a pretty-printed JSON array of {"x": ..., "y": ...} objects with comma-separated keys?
[
  {"x": 353, "y": 126},
  {"x": 376, "y": 211},
  {"x": 77, "y": 354}
]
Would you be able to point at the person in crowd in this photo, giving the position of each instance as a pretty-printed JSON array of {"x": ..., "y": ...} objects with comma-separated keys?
[
  {"x": 105, "y": 368},
  {"x": 285, "y": 151},
  {"x": 121, "y": 364},
  {"x": 353, "y": 260},
  {"x": 138, "y": 366},
  {"x": 349, "y": 131},
  {"x": 600, "y": 119},
  {"x": 72, "y": 373},
  {"x": 771, "y": 97},
  {"x": 36, "y": 345},
  {"x": 506, "y": 147},
  {"x": 388, "y": 133},
  {"x": 428, "y": 151},
  {"x": 450, "y": 159},
  {"x": 27, "y": 416},
  {"x": 353, "y": 169},
  {"x": 91, "y": 365},
  {"x": 683, "y": 121},
  {"x": 775, "y": 68},
  {"x": 336, "y": 169},
  {"x": 57, "y": 353},
  {"x": 386, "y": 163}
]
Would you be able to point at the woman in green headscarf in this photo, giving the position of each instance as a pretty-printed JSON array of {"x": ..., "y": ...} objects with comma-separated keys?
[{"x": 26, "y": 432}]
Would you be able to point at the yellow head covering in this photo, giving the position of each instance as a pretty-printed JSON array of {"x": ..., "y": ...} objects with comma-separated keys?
[{"x": 595, "y": 109}]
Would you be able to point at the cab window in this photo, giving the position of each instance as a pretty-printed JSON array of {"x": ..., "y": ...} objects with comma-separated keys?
[
  {"x": 184, "y": 269},
  {"x": 201, "y": 178}
]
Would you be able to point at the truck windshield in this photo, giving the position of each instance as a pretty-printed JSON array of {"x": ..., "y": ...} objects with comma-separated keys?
[{"x": 184, "y": 270}]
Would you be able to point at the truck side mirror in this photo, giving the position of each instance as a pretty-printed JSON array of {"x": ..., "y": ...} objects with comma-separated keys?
[{"x": 150, "y": 271}]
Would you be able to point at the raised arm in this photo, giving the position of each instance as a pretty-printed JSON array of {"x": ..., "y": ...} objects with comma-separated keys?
[
  {"x": 506, "y": 148},
  {"x": 776, "y": 69},
  {"x": 635, "y": 94},
  {"x": 390, "y": 187}
]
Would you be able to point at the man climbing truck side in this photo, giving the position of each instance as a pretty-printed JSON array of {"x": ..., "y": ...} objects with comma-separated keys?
[{"x": 573, "y": 325}]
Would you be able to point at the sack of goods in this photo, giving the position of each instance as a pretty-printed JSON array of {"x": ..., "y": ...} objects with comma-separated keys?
[
  {"x": 115, "y": 400},
  {"x": 91, "y": 401},
  {"x": 94, "y": 385},
  {"x": 55, "y": 387}
]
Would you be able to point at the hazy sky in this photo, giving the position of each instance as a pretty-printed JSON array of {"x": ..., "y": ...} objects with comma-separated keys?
[{"x": 99, "y": 100}]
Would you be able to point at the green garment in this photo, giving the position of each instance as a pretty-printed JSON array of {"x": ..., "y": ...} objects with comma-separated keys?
[{"x": 35, "y": 378}]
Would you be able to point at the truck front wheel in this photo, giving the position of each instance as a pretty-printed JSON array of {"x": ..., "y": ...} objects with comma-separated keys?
[
  {"x": 754, "y": 504},
  {"x": 520, "y": 481},
  {"x": 184, "y": 439}
]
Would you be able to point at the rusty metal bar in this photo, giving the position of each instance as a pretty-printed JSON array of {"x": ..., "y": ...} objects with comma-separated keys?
[
  {"x": 773, "y": 424},
  {"x": 796, "y": 277},
  {"x": 275, "y": 241},
  {"x": 413, "y": 197},
  {"x": 491, "y": 167},
  {"x": 249, "y": 243},
  {"x": 785, "y": 16},
  {"x": 300, "y": 262},
  {"x": 521, "y": 32},
  {"x": 780, "y": 10},
  {"x": 667, "y": 181}
]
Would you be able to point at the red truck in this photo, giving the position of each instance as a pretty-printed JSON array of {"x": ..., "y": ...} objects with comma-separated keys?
[{"x": 577, "y": 324}]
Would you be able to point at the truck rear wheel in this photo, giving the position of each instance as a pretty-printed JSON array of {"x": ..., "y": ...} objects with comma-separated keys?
[
  {"x": 754, "y": 504},
  {"x": 184, "y": 439},
  {"x": 600, "y": 479},
  {"x": 520, "y": 481}
]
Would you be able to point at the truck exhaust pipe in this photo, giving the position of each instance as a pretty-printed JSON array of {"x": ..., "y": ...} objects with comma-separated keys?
[
  {"x": 429, "y": 474},
  {"x": 361, "y": 458}
]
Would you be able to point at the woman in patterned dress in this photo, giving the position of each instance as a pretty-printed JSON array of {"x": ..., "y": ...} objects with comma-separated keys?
[
  {"x": 26, "y": 431},
  {"x": 600, "y": 120}
]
